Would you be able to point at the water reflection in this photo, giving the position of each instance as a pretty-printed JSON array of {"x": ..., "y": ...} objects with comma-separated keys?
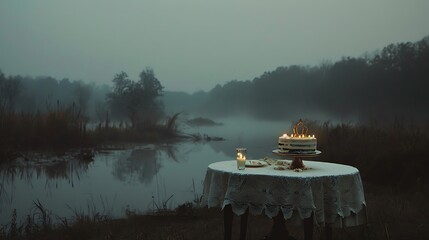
[
  {"x": 51, "y": 169},
  {"x": 142, "y": 164}
]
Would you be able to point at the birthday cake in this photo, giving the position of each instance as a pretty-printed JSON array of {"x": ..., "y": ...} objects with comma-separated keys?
[{"x": 298, "y": 142}]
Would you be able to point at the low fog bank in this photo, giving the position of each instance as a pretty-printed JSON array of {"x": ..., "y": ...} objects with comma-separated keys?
[
  {"x": 44, "y": 94},
  {"x": 391, "y": 83}
]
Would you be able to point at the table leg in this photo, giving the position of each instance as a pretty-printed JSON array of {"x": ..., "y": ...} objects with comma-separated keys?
[
  {"x": 328, "y": 232},
  {"x": 227, "y": 222},
  {"x": 308, "y": 228},
  {"x": 243, "y": 225},
  {"x": 279, "y": 231}
]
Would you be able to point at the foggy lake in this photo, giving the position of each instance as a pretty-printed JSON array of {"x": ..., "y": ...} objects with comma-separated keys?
[{"x": 138, "y": 179}]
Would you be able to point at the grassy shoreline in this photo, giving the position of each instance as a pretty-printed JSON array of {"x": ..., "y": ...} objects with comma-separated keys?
[{"x": 392, "y": 214}]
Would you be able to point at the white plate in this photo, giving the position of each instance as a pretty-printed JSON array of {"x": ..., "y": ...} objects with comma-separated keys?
[{"x": 255, "y": 163}]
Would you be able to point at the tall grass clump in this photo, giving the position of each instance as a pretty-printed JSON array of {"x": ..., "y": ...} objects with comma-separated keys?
[
  {"x": 56, "y": 129},
  {"x": 37, "y": 223},
  {"x": 391, "y": 154}
]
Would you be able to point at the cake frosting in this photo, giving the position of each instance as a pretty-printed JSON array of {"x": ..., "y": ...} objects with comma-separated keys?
[
  {"x": 290, "y": 144},
  {"x": 297, "y": 142}
]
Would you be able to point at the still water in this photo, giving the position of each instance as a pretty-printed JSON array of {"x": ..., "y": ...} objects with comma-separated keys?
[{"x": 142, "y": 178}]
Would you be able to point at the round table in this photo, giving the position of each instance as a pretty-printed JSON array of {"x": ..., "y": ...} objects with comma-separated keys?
[{"x": 329, "y": 193}]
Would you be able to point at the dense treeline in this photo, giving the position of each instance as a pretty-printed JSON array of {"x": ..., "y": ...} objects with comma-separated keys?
[
  {"x": 394, "y": 82},
  {"x": 46, "y": 113}
]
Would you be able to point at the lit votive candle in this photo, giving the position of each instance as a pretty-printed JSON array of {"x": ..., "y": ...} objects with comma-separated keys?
[{"x": 241, "y": 158}]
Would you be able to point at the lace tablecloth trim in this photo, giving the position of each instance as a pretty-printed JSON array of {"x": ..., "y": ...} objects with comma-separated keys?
[
  {"x": 271, "y": 211},
  {"x": 330, "y": 198}
]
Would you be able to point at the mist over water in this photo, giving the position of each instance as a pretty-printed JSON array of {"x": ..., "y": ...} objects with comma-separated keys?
[{"x": 138, "y": 179}]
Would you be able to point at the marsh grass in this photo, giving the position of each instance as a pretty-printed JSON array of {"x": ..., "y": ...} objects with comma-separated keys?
[
  {"x": 393, "y": 154},
  {"x": 66, "y": 128},
  {"x": 58, "y": 129}
]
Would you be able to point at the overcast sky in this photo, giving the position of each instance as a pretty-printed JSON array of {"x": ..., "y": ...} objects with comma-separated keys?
[{"x": 195, "y": 44}]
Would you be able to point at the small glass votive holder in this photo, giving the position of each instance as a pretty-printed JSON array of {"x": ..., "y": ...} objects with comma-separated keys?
[{"x": 241, "y": 158}]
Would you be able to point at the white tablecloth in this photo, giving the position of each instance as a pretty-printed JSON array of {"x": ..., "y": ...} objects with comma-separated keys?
[{"x": 332, "y": 192}]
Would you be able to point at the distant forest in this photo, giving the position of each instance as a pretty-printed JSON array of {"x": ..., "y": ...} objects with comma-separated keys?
[
  {"x": 45, "y": 94},
  {"x": 392, "y": 82}
]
